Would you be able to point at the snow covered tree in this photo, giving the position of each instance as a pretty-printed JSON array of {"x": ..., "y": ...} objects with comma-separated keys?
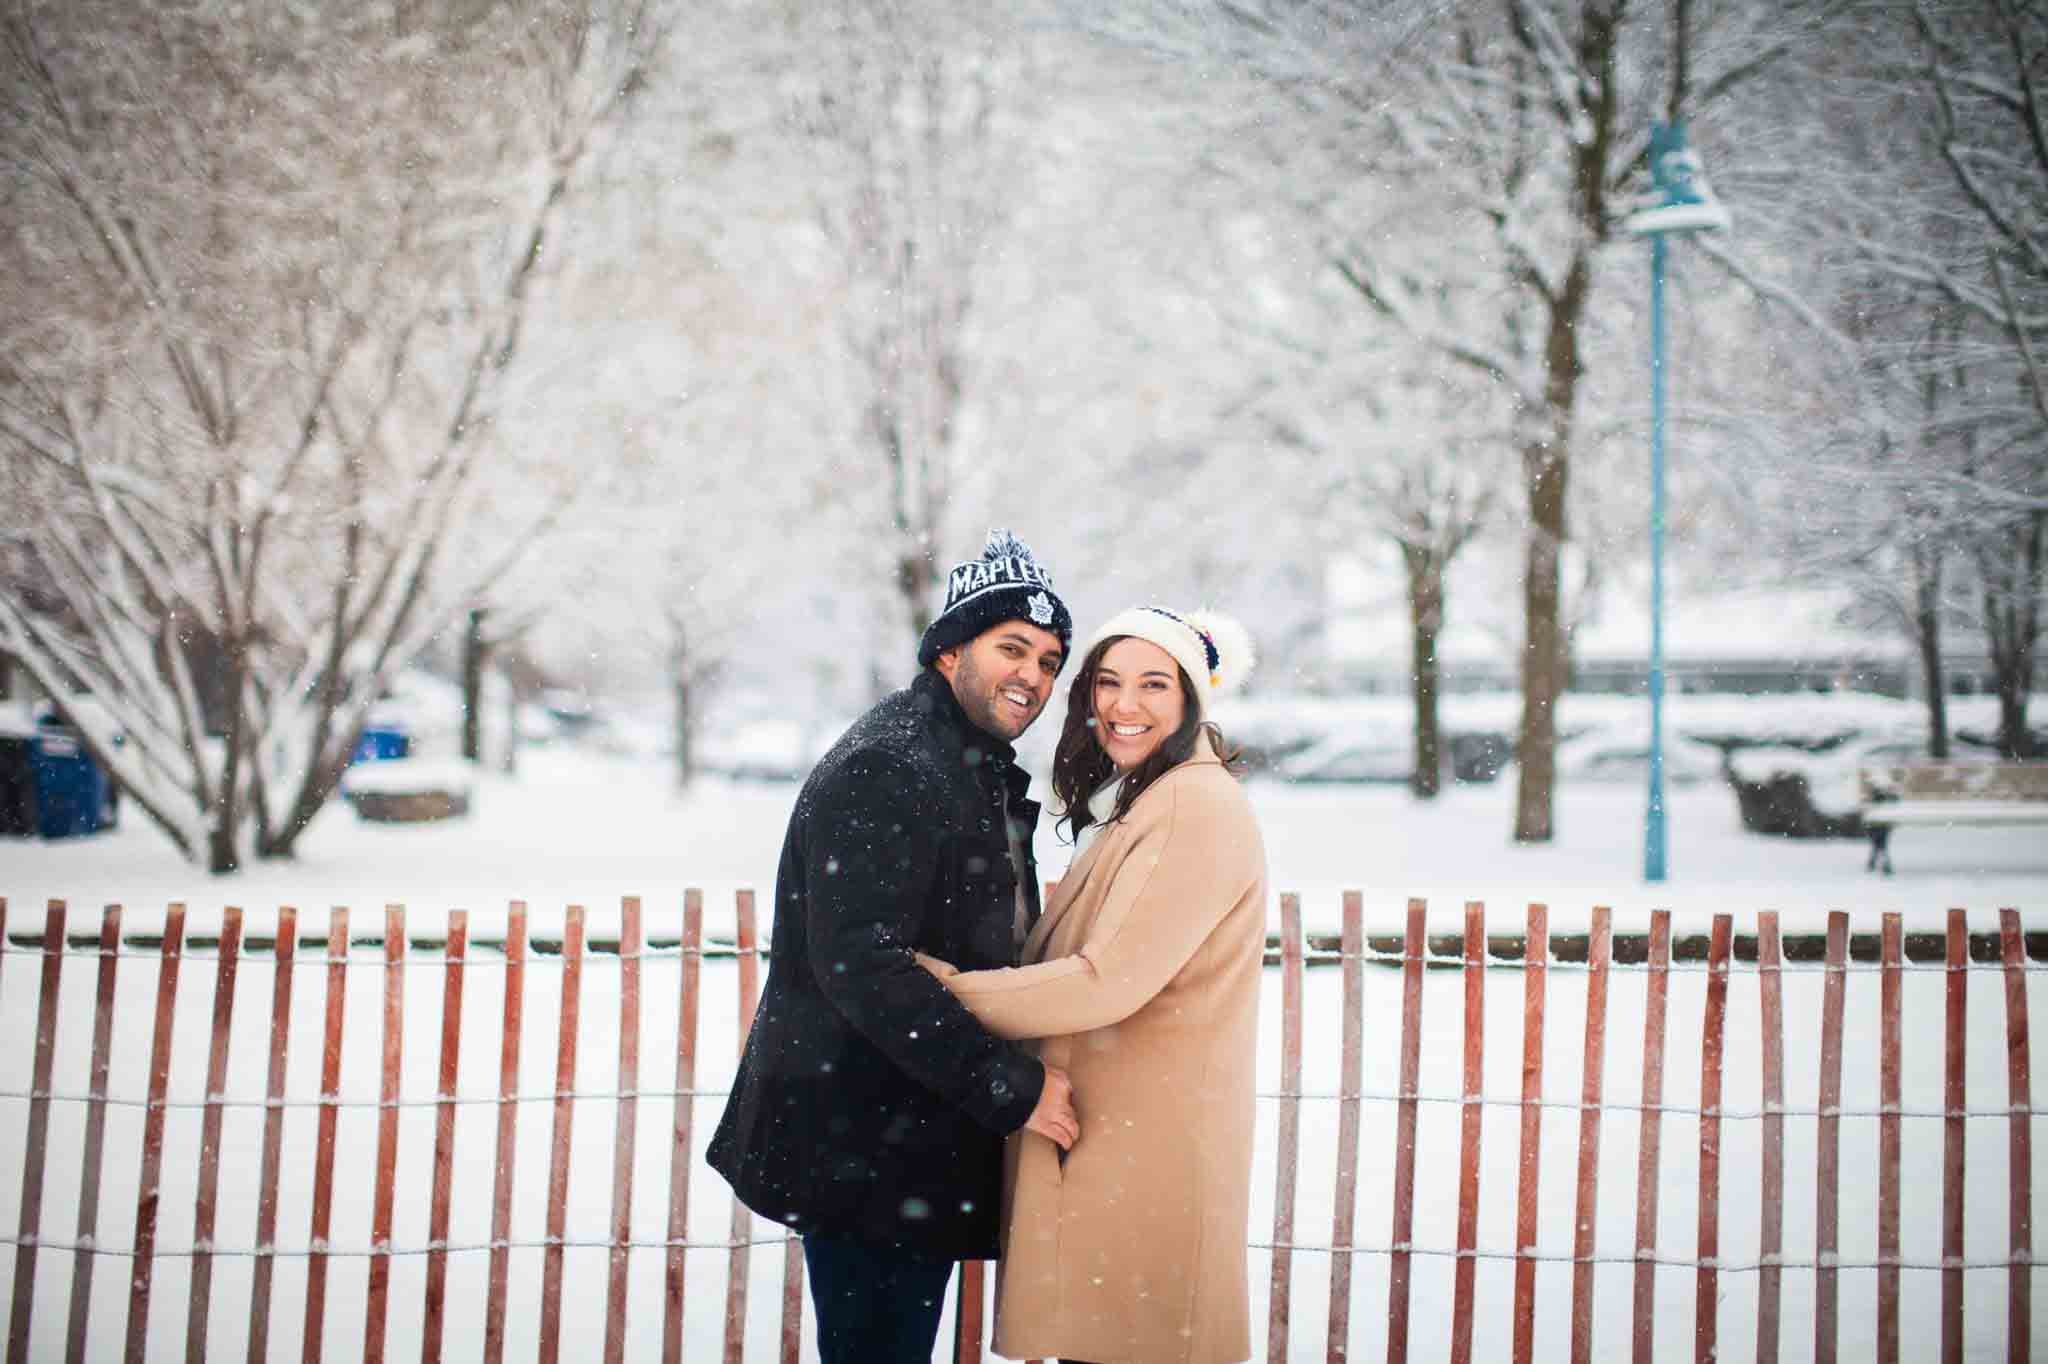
[
  {"x": 264, "y": 275},
  {"x": 913, "y": 111}
]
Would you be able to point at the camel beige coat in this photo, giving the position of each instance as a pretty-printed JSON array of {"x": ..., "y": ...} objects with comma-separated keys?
[{"x": 1142, "y": 976}]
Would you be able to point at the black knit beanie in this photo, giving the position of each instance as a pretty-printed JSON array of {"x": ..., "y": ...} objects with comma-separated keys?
[{"x": 1005, "y": 583}]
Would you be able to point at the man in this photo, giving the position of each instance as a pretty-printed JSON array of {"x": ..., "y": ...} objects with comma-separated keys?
[{"x": 870, "y": 1108}]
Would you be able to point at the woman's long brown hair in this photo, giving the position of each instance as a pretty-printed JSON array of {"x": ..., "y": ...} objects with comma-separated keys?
[{"x": 1079, "y": 765}]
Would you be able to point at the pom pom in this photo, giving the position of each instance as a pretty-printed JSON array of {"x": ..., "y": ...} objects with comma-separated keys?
[
  {"x": 1003, "y": 544},
  {"x": 1235, "y": 656}
]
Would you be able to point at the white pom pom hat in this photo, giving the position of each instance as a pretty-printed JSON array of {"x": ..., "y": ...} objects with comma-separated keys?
[{"x": 1213, "y": 649}]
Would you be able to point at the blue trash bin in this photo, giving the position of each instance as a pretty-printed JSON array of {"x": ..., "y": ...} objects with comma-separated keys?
[
  {"x": 380, "y": 743},
  {"x": 73, "y": 796}
]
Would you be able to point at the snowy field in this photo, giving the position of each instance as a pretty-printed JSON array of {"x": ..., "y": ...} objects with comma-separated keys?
[
  {"x": 573, "y": 827},
  {"x": 579, "y": 827}
]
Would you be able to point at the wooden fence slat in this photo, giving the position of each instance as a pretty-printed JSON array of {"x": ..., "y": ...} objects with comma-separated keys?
[
  {"x": 1535, "y": 973},
  {"x": 1351, "y": 1081},
  {"x": 507, "y": 1156},
  {"x": 1953, "y": 1103},
  {"x": 1713, "y": 1032},
  {"x": 1599, "y": 953},
  {"x": 313, "y": 1342},
  {"x": 679, "y": 1148},
  {"x": 968, "y": 1307},
  {"x": 149, "y": 1186},
  {"x": 284, "y": 954},
  {"x": 1828, "y": 1152},
  {"x": 1462, "y": 1281},
  {"x": 91, "y": 1153},
  {"x": 565, "y": 1114},
  {"x": 208, "y": 1198},
  {"x": 1890, "y": 1091},
  {"x": 1287, "y": 1159},
  {"x": 434, "y": 1308},
  {"x": 377, "y": 1301},
  {"x": 1399, "y": 1263},
  {"x": 2019, "y": 1319},
  {"x": 1649, "y": 1143},
  {"x": 35, "y": 1146},
  {"x": 793, "y": 1301},
  {"x": 746, "y": 946},
  {"x": 623, "y": 1130},
  {"x": 1770, "y": 960}
]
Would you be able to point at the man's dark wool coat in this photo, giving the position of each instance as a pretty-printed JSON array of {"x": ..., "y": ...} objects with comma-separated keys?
[{"x": 869, "y": 1104}]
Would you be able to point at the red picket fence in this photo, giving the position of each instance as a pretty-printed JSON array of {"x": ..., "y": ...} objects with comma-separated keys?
[{"x": 1599, "y": 954}]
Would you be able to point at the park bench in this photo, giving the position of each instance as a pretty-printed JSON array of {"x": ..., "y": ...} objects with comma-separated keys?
[{"x": 1939, "y": 792}]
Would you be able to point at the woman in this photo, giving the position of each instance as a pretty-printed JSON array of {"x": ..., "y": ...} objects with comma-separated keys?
[{"x": 1142, "y": 977}]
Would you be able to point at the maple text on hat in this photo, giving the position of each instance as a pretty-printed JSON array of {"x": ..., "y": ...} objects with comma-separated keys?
[
  {"x": 1005, "y": 583},
  {"x": 1213, "y": 649}
]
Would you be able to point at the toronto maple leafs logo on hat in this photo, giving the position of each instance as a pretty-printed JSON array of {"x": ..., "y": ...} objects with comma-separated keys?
[{"x": 1005, "y": 583}]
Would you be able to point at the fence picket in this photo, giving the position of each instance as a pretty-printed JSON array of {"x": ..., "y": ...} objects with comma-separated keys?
[
  {"x": 1771, "y": 1219},
  {"x": 1889, "y": 1094},
  {"x": 2019, "y": 1311},
  {"x": 623, "y": 1129},
  {"x": 1535, "y": 973},
  {"x": 508, "y": 1122},
  {"x": 1952, "y": 1102},
  {"x": 1288, "y": 1157},
  {"x": 1706, "y": 1301},
  {"x": 1399, "y": 1263},
  {"x": 1351, "y": 1080},
  {"x": 968, "y": 1305},
  {"x": 91, "y": 1153},
  {"x": 35, "y": 1145},
  {"x": 1599, "y": 952},
  {"x": 149, "y": 1185},
  {"x": 1649, "y": 1142},
  {"x": 1463, "y": 1275},
  {"x": 1883, "y": 957},
  {"x": 1828, "y": 1152},
  {"x": 435, "y": 1304},
  {"x": 377, "y": 1301},
  {"x": 679, "y": 1147},
  {"x": 746, "y": 945},
  {"x": 209, "y": 1139},
  {"x": 564, "y": 1137}
]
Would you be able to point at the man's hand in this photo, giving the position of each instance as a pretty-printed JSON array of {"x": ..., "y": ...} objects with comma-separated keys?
[
  {"x": 938, "y": 966},
  {"x": 1054, "y": 1118}
]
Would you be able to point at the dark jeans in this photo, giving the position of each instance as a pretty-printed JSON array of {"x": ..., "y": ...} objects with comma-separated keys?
[{"x": 875, "y": 1304}]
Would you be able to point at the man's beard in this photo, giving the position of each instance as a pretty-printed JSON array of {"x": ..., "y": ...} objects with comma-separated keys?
[{"x": 978, "y": 698}]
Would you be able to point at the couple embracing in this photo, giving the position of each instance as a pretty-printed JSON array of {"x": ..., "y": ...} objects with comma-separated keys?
[{"x": 941, "y": 1069}]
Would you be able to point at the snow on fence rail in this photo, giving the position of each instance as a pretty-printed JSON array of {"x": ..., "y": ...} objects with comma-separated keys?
[{"x": 1601, "y": 956}]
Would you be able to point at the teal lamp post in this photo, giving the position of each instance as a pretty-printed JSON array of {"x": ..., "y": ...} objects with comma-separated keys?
[{"x": 1680, "y": 201}]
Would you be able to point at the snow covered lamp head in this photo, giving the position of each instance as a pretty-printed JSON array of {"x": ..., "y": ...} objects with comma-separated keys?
[
  {"x": 1680, "y": 199},
  {"x": 1005, "y": 583}
]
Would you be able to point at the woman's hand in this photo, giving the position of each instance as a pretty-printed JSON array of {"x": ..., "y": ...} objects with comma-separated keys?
[{"x": 937, "y": 967}]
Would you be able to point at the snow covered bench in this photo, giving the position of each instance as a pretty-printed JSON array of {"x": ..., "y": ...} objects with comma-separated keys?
[
  {"x": 409, "y": 790},
  {"x": 1938, "y": 792}
]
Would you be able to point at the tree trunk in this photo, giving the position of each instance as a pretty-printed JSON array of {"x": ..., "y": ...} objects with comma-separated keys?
[
  {"x": 1927, "y": 638},
  {"x": 2012, "y": 627},
  {"x": 223, "y": 844},
  {"x": 1545, "y": 464},
  {"x": 685, "y": 716},
  {"x": 510, "y": 763},
  {"x": 1426, "y": 618},
  {"x": 473, "y": 687},
  {"x": 915, "y": 582}
]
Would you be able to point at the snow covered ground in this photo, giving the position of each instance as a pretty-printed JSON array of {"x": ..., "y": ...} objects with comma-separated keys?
[
  {"x": 577, "y": 827},
  {"x": 586, "y": 828}
]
